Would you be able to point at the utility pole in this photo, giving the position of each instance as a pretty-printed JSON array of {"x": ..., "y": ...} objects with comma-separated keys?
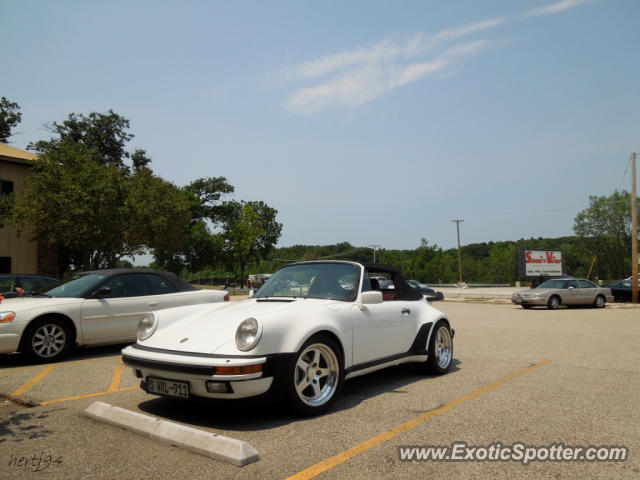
[
  {"x": 375, "y": 247},
  {"x": 634, "y": 233},
  {"x": 459, "y": 251}
]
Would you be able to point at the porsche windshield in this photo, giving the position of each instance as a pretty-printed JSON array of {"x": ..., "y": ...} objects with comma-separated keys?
[
  {"x": 78, "y": 287},
  {"x": 331, "y": 281}
]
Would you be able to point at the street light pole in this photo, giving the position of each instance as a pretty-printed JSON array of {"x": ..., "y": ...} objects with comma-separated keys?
[
  {"x": 459, "y": 251},
  {"x": 375, "y": 247},
  {"x": 634, "y": 233}
]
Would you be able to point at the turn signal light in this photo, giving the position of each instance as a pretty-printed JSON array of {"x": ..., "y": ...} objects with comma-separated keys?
[
  {"x": 244, "y": 370},
  {"x": 226, "y": 298}
]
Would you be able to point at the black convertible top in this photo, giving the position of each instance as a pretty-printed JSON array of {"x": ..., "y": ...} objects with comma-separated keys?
[{"x": 405, "y": 291}]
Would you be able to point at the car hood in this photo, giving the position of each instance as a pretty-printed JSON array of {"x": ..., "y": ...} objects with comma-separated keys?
[
  {"x": 209, "y": 327},
  {"x": 22, "y": 304}
]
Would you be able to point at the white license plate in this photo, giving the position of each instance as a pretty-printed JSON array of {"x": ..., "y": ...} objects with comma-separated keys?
[{"x": 170, "y": 388}]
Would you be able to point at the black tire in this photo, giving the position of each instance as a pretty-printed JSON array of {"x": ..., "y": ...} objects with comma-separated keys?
[
  {"x": 46, "y": 340},
  {"x": 440, "y": 349},
  {"x": 554, "y": 302},
  {"x": 600, "y": 301},
  {"x": 313, "y": 389}
]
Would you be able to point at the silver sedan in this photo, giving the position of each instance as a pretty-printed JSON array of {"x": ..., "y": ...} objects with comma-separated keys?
[{"x": 554, "y": 293}]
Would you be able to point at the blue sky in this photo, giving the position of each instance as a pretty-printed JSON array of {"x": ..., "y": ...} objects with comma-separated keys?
[{"x": 362, "y": 121}]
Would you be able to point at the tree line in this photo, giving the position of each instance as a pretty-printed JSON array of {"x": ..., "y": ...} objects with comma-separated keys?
[{"x": 96, "y": 203}]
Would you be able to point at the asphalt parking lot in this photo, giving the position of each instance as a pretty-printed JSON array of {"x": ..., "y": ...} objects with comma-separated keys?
[{"x": 538, "y": 377}]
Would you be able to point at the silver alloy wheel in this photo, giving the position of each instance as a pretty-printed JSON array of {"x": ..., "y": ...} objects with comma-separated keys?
[
  {"x": 554, "y": 303},
  {"x": 600, "y": 301},
  {"x": 443, "y": 347},
  {"x": 48, "y": 340},
  {"x": 316, "y": 374}
]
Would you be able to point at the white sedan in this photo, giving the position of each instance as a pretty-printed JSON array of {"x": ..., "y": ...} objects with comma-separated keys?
[
  {"x": 310, "y": 327},
  {"x": 94, "y": 308}
]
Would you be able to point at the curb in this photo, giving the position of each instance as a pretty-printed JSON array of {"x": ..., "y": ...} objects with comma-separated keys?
[{"x": 211, "y": 445}]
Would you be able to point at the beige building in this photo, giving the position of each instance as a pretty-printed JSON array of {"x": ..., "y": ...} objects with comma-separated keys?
[{"x": 17, "y": 253}]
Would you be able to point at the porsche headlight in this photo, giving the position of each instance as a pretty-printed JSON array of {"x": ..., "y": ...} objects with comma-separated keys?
[
  {"x": 248, "y": 334},
  {"x": 147, "y": 326},
  {"x": 6, "y": 317}
]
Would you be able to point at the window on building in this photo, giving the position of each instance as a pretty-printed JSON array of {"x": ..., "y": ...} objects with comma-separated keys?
[
  {"x": 5, "y": 264},
  {"x": 6, "y": 186}
]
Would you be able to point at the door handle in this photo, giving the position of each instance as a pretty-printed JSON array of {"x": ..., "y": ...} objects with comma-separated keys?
[{"x": 406, "y": 311}]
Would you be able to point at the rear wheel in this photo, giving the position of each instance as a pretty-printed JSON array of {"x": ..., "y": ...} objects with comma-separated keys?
[
  {"x": 46, "y": 340},
  {"x": 599, "y": 301},
  {"x": 554, "y": 302},
  {"x": 315, "y": 377},
  {"x": 440, "y": 349}
]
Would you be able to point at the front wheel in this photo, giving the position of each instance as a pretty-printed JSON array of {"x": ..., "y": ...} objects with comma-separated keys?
[
  {"x": 440, "y": 349},
  {"x": 599, "y": 302},
  {"x": 554, "y": 302},
  {"x": 315, "y": 377},
  {"x": 46, "y": 340}
]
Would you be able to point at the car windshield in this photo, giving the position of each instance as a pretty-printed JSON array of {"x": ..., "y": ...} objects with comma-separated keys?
[
  {"x": 78, "y": 286},
  {"x": 331, "y": 281},
  {"x": 554, "y": 284}
]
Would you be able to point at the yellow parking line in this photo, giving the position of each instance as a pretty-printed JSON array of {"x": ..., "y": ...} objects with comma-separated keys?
[
  {"x": 88, "y": 395},
  {"x": 60, "y": 364},
  {"x": 329, "y": 463},
  {"x": 31, "y": 383},
  {"x": 117, "y": 376}
]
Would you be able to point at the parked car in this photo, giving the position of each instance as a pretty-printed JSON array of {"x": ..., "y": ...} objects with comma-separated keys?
[
  {"x": 300, "y": 344},
  {"x": 93, "y": 308},
  {"x": 621, "y": 290},
  {"x": 554, "y": 293},
  {"x": 12, "y": 283},
  {"x": 427, "y": 291}
]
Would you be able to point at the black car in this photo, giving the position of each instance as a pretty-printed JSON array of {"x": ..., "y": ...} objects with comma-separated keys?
[
  {"x": 9, "y": 283},
  {"x": 428, "y": 292},
  {"x": 621, "y": 290}
]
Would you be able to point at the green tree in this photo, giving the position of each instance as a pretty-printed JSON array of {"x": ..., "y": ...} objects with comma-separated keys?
[
  {"x": 10, "y": 116},
  {"x": 200, "y": 247},
  {"x": 604, "y": 229},
  {"x": 83, "y": 198},
  {"x": 250, "y": 232},
  {"x": 105, "y": 134}
]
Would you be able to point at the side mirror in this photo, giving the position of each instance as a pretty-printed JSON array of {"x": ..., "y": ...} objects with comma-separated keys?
[
  {"x": 102, "y": 292},
  {"x": 372, "y": 297}
]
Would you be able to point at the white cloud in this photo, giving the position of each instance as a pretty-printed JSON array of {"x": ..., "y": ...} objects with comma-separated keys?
[
  {"x": 554, "y": 8},
  {"x": 383, "y": 52},
  {"x": 354, "y": 77},
  {"x": 365, "y": 83}
]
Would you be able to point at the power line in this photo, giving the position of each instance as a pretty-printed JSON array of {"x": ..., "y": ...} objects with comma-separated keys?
[
  {"x": 625, "y": 173},
  {"x": 523, "y": 214}
]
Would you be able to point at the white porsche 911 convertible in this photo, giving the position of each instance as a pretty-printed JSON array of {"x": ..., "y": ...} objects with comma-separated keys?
[{"x": 310, "y": 327}]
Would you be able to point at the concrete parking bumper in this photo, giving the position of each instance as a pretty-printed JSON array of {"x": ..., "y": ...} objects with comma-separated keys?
[{"x": 209, "y": 444}]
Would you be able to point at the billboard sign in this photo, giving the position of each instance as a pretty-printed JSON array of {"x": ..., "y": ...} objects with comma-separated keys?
[{"x": 534, "y": 263}]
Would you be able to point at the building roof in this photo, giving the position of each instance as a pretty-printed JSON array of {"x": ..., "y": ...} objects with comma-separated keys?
[{"x": 14, "y": 154}]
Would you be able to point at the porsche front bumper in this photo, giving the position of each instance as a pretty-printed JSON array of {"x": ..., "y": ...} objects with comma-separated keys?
[{"x": 208, "y": 375}]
